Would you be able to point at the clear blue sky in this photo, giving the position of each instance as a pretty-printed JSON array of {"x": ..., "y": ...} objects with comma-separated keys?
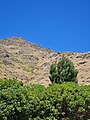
[{"x": 61, "y": 25}]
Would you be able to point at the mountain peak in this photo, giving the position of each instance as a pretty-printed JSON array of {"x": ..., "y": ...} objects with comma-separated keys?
[{"x": 13, "y": 40}]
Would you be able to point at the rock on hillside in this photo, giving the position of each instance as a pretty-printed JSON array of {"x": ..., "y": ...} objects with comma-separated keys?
[{"x": 23, "y": 60}]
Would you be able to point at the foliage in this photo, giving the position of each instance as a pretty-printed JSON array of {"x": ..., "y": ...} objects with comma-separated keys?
[
  {"x": 63, "y": 71},
  {"x": 66, "y": 101},
  {"x": 69, "y": 101}
]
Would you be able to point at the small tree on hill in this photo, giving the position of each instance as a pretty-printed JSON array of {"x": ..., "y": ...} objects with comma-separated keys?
[{"x": 63, "y": 71}]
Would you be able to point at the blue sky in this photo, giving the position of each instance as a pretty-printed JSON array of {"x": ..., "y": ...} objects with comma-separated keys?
[{"x": 61, "y": 25}]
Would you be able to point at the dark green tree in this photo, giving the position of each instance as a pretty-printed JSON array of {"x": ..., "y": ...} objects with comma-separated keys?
[{"x": 63, "y": 71}]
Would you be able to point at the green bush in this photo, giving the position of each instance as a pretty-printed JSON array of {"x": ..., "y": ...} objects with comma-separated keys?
[
  {"x": 63, "y": 71},
  {"x": 66, "y": 101},
  {"x": 69, "y": 101},
  {"x": 18, "y": 102}
]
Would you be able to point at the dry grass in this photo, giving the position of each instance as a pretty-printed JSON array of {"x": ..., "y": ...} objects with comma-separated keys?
[{"x": 30, "y": 63}]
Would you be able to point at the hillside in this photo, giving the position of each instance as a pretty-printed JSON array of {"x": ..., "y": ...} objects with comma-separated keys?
[{"x": 23, "y": 60}]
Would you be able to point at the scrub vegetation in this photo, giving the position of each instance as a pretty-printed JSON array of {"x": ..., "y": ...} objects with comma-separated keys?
[{"x": 66, "y": 101}]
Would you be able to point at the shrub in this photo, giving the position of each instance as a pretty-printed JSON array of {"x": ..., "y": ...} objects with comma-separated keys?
[
  {"x": 18, "y": 102},
  {"x": 63, "y": 71},
  {"x": 66, "y": 101},
  {"x": 69, "y": 101}
]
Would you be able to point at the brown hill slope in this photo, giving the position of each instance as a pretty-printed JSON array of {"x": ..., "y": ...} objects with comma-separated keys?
[{"x": 23, "y": 60}]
